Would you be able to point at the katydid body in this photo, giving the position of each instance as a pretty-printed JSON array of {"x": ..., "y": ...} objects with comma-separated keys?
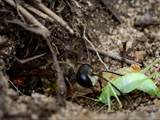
[{"x": 128, "y": 83}]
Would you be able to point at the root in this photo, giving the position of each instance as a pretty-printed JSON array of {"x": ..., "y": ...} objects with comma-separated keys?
[{"x": 37, "y": 28}]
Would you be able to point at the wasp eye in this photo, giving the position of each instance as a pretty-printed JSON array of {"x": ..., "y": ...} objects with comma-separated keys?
[{"x": 84, "y": 74}]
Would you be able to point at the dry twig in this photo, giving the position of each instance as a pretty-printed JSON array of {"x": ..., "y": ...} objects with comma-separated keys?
[
  {"x": 38, "y": 28},
  {"x": 22, "y": 61},
  {"x": 113, "y": 56},
  {"x": 55, "y": 16},
  {"x": 38, "y": 12},
  {"x": 93, "y": 47},
  {"x": 35, "y": 23}
]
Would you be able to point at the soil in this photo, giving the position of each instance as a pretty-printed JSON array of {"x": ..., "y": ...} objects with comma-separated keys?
[{"x": 108, "y": 25}]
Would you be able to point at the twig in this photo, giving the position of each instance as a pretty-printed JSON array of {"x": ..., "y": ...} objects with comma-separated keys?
[
  {"x": 16, "y": 88},
  {"x": 76, "y": 3},
  {"x": 113, "y": 56},
  {"x": 38, "y": 12},
  {"x": 35, "y": 23},
  {"x": 22, "y": 61},
  {"x": 32, "y": 28},
  {"x": 16, "y": 3},
  {"x": 45, "y": 33},
  {"x": 55, "y": 16},
  {"x": 93, "y": 47},
  {"x": 61, "y": 90}
]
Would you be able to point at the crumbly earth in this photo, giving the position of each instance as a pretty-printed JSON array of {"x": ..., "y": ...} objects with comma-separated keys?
[
  {"x": 40, "y": 107},
  {"x": 107, "y": 35}
]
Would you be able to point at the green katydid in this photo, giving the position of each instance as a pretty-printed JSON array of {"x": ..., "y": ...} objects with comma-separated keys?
[{"x": 128, "y": 83}]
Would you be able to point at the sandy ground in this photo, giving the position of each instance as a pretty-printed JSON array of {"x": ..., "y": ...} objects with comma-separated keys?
[{"x": 107, "y": 35}]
